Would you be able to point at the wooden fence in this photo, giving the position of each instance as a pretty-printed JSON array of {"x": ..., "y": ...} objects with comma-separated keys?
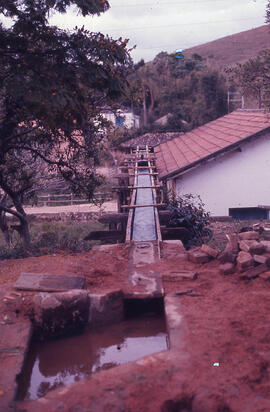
[{"x": 69, "y": 199}]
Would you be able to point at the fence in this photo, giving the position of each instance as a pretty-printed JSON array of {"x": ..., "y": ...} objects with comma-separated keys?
[{"x": 69, "y": 199}]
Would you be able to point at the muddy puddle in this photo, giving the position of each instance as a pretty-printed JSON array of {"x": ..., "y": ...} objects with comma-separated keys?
[{"x": 65, "y": 361}]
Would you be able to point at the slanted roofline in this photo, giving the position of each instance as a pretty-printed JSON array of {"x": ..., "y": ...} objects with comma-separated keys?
[
  {"x": 213, "y": 138},
  {"x": 215, "y": 155}
]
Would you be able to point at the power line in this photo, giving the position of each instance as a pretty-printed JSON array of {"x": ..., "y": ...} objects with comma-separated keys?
[{"x": 180, "y": 24}]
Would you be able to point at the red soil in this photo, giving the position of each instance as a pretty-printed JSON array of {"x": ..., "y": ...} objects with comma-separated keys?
[{"x": 225, "y": 363}]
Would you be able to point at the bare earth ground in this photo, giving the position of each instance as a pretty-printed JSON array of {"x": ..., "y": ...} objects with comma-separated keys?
[
  {"x": 224, "y": 363},
  {"x": 110, "y": 206}
]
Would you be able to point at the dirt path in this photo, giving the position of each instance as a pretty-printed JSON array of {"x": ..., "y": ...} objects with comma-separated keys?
[{"x": 105, "y": 207}]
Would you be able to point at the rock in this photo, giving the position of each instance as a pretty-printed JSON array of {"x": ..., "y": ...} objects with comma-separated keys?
[
  {"x": 231, "y": 250},
  {"x": 254, "y": 272},
  {"x": 227, "y": 256},
  {"x": 233, "y": 242},
  {"x": 249, "y": 235},
  {"x": 261, "y": 259},
  {"x": 57, "y": 314},
  {"x": 181, "y": 275},
  {"x": 244, "y": 260},
  {"x": 227, "y": 268},
  {"x": 209, "y": 251},
  {"x": 198, "y": 257},
  {"x": 266, "y": 244},
  {"x": 256, "y": 248},
  {"x": 244, "y": 245},
  {"x": 265, "y": 275}
]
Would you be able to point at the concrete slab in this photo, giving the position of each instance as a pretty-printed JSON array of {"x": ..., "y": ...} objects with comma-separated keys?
[
  {"x": 144, "y": 281},
  {"x": 45, "y": 282}
]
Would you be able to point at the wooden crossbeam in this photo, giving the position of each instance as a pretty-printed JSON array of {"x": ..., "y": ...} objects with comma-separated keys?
[
  {"x": 135, "y": 187},
  {"x": 145, "y": 174},
  {"x": 150, "y": 205},
  {"x": 144, "y": 187},
  {"x": 138, "y": 167}
]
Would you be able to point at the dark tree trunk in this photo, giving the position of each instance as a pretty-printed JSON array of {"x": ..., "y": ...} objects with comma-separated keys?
[
  {"x": 24, "y": 232},
  {"x": 4, "y": 227},
  {"x": 24, "y": 226},
  {"x": 144, "y": 108}
]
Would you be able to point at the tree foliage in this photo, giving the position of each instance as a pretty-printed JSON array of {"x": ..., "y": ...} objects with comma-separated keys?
[
  {"x": 188, "y": 211},
  {"x": 252, "y": 77},
  {"x": 187, "y": 89},
  {"x": 52, "y": 83}
]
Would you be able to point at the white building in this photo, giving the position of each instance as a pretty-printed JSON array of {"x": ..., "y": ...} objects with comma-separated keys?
[
  {"x": 226, "y": 162},
  {"x": 121, "y": 118}
]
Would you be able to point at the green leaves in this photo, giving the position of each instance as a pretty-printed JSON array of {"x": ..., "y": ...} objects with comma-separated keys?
[{"x": 52, "y": 83}]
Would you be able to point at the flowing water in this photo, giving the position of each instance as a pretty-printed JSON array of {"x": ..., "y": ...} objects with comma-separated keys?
[
  {"x": 64, "y": 361},
  {"x": 144, "y": 226}
]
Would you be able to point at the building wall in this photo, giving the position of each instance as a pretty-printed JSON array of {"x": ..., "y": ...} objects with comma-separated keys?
[
  {"x": 238, "y": 179},
  {"x": 129, "y": 119}
]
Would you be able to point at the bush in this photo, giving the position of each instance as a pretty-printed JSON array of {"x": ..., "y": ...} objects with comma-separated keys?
[
  {"x": 188, "y": 211},
  {"x": 51, "y": 237}
]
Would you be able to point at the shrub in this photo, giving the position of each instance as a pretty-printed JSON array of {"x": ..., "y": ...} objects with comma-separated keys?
[
  {"x": 51, "y": 237},
  {"x": 188, "y": 211}
]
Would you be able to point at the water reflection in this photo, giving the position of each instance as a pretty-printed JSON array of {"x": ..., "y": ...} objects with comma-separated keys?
[{"x": 65, "y": 361}]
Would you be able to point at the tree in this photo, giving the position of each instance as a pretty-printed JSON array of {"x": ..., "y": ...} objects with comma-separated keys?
[
  {"x": 250, "y": 76},
  {"x": 52, "y": 83}
]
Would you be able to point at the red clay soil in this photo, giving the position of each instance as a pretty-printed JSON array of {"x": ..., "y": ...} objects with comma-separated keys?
[{"x": 224, "y": 365}]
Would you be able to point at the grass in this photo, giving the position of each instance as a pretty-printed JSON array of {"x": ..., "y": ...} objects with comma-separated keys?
[{"x": 51, "y": 237}]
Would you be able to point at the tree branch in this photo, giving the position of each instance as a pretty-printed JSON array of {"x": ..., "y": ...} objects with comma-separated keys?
[{"x": 12, "y": 212}]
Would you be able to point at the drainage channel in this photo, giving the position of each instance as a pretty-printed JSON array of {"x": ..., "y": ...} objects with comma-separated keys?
[
  {"x": 143, "y": 328},
  {"x": 143, "y": 230},
  {"x": 50, "y": 365}
]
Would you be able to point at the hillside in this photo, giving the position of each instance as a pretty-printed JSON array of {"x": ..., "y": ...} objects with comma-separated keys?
[{"x": 236, "y": 48}]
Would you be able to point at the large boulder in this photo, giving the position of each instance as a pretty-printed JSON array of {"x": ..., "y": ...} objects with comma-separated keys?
[{"x": 58, "y": 314}]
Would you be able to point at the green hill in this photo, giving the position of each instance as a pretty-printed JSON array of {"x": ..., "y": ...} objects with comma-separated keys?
[{"x": 236, "y": 48}]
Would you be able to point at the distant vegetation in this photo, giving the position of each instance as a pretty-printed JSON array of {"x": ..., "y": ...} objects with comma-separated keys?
[
  {"x": 51, "y": 237},
  {"x": 192, "y": 91},
  {"x": 186, "y": 91}
]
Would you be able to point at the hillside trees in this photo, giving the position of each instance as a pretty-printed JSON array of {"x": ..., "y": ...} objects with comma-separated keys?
[
  {"x": 51, "y": 85},
  {"x": 184, "y": 89},
  {"x": 253, "y": 78}
]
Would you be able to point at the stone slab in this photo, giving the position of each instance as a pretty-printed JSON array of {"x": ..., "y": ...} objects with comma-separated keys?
[
  {"x": 198, "y": 257},
  {"x": 181, "y": 275},
  {"x": 227, "y": 268},
  {"x": 45, "y": 282},
  {"x": 249, "y": 235},
  {"x": 254, "y": 272},
  {"x": 210, "y": 251}
]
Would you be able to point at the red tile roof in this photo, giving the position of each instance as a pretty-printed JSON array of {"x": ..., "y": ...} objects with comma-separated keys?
[{"x": 187, "y": 150}]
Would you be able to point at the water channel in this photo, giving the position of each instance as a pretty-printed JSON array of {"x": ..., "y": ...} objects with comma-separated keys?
[
  {"x": 144, "y": 226},
  {"x": 65, "y": 361}
]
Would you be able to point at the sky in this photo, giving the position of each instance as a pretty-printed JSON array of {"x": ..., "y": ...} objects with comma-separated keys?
[{"x": 167, "y": 25}]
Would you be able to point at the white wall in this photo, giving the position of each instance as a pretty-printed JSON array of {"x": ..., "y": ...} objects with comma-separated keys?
[
  {"x": 130, "y": 119},
  {"x": 238, "y": 179}
]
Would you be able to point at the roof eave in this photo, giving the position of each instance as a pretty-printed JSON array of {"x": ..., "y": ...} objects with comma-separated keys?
[{"x": 213, "y": 156}]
